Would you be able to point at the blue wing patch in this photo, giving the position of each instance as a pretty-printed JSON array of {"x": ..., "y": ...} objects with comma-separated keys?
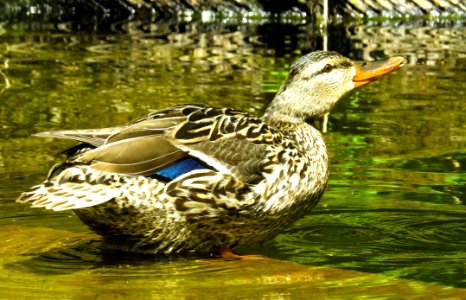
[{"x": 181, "y": 167}]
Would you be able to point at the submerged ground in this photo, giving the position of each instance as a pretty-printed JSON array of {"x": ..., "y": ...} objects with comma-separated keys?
[{"x": 391, "y": 224}]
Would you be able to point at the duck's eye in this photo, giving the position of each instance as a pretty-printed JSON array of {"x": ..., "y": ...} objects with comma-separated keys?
[{"x": 328, "y": 68}]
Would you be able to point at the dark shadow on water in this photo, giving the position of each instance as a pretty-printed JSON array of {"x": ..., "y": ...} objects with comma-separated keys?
[
  {"x": 83, "y": 255},
  {"x": 91, "y": 255}
]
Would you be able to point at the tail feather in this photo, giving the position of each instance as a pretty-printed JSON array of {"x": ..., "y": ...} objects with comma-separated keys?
[{"x": 66, "y": 196}]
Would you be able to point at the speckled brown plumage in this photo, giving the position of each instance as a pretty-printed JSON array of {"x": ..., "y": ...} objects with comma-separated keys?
[{"x": 253, "y": 176}]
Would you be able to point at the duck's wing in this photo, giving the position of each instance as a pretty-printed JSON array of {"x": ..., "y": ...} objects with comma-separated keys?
[
  {"x": 101, "y": 136},
  {"x": 93, "y": 137},
  {"x": 220, "y": 141},
  {"x": 224, "y": 140},
  {"x": 228, "y": 140}
]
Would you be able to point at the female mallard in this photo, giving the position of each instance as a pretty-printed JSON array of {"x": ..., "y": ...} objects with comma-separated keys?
[{"x": 197, "y": 179}]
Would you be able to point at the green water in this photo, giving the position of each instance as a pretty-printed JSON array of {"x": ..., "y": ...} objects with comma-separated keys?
[{"x": 391, "y": 224}]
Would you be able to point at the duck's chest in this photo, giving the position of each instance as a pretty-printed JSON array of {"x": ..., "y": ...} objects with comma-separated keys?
[{"x": 299, "y": 174}]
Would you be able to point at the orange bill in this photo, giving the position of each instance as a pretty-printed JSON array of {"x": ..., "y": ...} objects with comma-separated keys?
[{"x": 370, "y": 71}]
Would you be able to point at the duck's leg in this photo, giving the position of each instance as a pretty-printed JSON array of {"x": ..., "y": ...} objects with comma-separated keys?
[{"x": 226, "y": 252}]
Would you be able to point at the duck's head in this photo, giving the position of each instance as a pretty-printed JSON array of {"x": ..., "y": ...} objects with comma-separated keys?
[{"x": 319, "y": 79}]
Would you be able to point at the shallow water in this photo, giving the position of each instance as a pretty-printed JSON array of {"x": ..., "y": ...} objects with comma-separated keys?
[{"x": 391, "y": 224}]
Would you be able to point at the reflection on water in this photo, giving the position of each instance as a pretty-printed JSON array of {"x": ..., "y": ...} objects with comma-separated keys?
[
  {"x": 390, "y": 225},
  {"x": 75, "y": 268}
]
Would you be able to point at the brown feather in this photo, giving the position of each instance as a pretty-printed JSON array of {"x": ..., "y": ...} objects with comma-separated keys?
[
  {"x": 225, "y": 139},
  {"x": 137, "y": 156},
  {"x": 146, "y": 127},
  {"x": 242, "y": 158},
  {"x": 94, "y": 137}
]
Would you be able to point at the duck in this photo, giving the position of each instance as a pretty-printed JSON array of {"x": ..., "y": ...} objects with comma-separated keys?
[{"x": 196, "y": 179}]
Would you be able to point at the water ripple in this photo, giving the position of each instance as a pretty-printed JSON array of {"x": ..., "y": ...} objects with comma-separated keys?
[{"x": 375, "y": 235}]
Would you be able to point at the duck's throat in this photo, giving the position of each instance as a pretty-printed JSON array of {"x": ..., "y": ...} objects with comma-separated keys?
[{"x": 283, "y": 109}]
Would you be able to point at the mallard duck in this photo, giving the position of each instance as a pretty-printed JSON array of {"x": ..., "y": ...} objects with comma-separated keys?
[{"x": 200, "y": 179}]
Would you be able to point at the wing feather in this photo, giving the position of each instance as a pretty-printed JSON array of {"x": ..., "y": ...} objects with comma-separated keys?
[
  {"x": 94, "y": 137},
  {"x": 136, "y": 156},
  {"x": 229, "y": 141}
]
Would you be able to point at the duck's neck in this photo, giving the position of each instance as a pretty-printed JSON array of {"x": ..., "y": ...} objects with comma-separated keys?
[
  {"x": 299, "y": 102},
  {"x": 282, "y": 109}
]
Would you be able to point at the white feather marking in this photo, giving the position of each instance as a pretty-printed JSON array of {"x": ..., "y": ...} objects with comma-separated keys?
[
  {"x": 294, "y": 181},
  {"x": 208, "y": 160}
]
